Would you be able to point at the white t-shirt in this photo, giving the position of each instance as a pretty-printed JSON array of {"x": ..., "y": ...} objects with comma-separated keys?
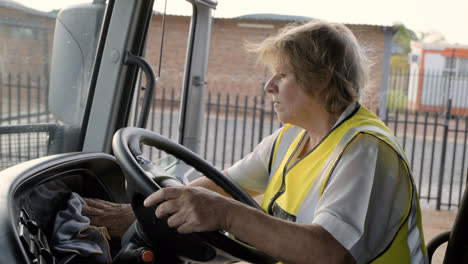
[{"x": 364, "y": 201}]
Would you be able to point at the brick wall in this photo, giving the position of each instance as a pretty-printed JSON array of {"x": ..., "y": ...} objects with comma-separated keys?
[
  {"x": 175, "y": 46},
  {"x": 25, "y": 45},
  {"x": 372, "y": 38},
  {"x": 231, "y": 68}
]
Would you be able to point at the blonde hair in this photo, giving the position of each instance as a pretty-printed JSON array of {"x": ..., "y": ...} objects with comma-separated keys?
[{"x": 319, "y": 48}]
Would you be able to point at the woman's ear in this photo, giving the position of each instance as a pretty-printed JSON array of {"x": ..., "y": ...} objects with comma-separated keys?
[{"x": 322, "y": 81}]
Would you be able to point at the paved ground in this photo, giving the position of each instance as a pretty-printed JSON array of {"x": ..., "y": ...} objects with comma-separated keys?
[{"x": 435, "y": 222}]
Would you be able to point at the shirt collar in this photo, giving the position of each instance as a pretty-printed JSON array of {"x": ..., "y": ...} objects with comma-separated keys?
[{"x": 349, "y": 110}]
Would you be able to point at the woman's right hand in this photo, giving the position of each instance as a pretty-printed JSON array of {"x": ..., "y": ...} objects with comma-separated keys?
[{"x": 117, "y": 218}]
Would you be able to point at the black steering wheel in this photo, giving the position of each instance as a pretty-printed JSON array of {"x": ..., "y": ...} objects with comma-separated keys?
[{"x": 144, "y": 178}]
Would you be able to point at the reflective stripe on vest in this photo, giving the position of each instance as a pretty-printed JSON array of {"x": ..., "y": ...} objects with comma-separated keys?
[
  {"x": 407, "y": 245},
  {"x": 285, "y": 138}
]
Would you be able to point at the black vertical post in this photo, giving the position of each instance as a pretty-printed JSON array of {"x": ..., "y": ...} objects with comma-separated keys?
[
  {"x": 9, "y": 98},
  {"x": 28, "y": 87},
  {"x": 386, "y": 117},
  {"x": 207, "y": 128},
  {"x": 18, "y": 100},
  {"x": 246, "y": 108},
  {"x": 218, "y": 103},
  {"x": 161, "y": 124},
  {"x": 463, "y": 161},
  {"x": 254, "y": 119},
  {"x": 163, "y": 112},
  {"x": 415, "y": 127},
  {"x": 395, "y": 129},
  {"x": 151, "y": 115},
  {"x": 9, "y": 113},
  {"x": 38, "y": 111},
  {"x": 405, "y": 129},
  {"x": 38, "y": 98},
  {"x": 444, "y": 148},
  {"x": 453, "y": 163},
  {"x": 434, "y": 141},
  {"x": 18, "y": 115},
  {"x": 262, "y": 114},
  {"x": 235, "y": 129},
  {"x": 153, "y": 111},
  {"x": 171, "y": 115},
  {"x": 226, "y": 116},
  {"x": 423, "y": 152}
]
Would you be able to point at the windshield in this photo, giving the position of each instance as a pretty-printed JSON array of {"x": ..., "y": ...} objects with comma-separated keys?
[{"x": 46, "y": 68}]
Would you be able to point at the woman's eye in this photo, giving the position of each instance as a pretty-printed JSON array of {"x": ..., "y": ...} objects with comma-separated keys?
[{"x": 282, "y": 75}]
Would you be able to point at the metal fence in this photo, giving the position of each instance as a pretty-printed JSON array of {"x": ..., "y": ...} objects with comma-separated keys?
[
  {"x": 434, "y": 139},
  {"x": 435, "y": 142},
  {"x": 233, "y": 125},
  {"x": 435, "y": 145},
  {"x": 427, "y": 90},
  {"x": 428, "y": 113},
  {"x": 23, "y": 101}
]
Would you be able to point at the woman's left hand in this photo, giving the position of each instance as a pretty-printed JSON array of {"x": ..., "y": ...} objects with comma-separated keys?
[
  {"x": 117, "y": 218},
  {"x": 191, "y": 209}
]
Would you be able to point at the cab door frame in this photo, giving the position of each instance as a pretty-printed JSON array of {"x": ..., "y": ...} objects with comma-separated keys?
[
  {"x": 124, "y": 31},
  {"x": 114, "y": 82}
]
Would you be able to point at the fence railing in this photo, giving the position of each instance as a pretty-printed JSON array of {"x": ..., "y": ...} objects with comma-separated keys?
[
  {"x": 427, "y": 90},
  {"x": 435, "y": 140},
  {"x": 233, "y": 125},
  {"x": 435, "y": 145},
  {"x": 23, "y": 100}
]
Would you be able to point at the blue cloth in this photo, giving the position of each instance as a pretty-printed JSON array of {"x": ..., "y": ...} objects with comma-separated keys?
[{"x": 73, "y": 234}]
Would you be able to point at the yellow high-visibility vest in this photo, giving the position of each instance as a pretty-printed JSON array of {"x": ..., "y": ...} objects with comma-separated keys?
[{"x": 293, "y": 191}]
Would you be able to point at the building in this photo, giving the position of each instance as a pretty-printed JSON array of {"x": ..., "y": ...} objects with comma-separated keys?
[
  {"x": 26, "y": 33},
  {"x": 232, "y": 69},
  {"x": 439, "y": 72}
]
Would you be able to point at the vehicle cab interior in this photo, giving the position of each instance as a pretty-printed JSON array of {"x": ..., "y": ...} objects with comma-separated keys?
[
  {"x": 100, "y": 108},
  {"x": 100, "y": 94}
]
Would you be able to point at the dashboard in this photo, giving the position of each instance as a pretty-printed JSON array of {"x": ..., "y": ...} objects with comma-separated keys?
[{"x": 32, "y": 193}]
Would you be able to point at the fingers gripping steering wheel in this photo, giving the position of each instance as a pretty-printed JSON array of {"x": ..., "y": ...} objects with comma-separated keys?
[{"x": 144, "y": 178}]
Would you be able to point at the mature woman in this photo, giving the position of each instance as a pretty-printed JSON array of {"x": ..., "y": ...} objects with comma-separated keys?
[{"x": 336, "y": 184}]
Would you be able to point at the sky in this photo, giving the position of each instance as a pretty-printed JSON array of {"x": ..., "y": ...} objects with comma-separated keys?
[{"x": 449, "y": 17}]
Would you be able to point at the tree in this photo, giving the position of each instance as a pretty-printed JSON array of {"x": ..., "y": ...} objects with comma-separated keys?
[{"x": 403, "y": 37}]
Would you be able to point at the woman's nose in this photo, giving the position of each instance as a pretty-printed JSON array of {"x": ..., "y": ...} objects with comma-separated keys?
[{"x": 270, "y": 86}]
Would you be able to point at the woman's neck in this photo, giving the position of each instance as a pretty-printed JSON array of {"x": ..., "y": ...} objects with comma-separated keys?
[
  {"x": 319, "y": 128},
  {"x": 320, "y": 125}
]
